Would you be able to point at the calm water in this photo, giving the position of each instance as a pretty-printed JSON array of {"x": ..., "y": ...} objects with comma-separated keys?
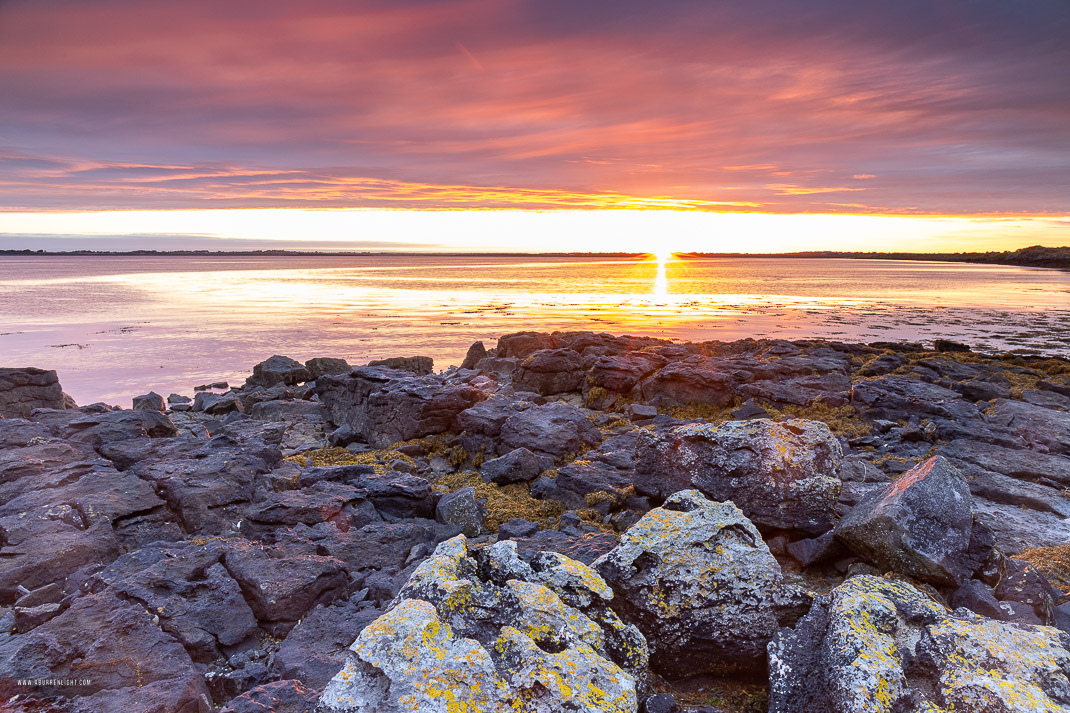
[{"x": 115, "y": 327}]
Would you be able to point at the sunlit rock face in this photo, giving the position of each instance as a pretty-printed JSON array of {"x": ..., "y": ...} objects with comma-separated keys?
[
  {"x": 881, "y": 646},
  {"x": 486, "y": 631},
  {"x": 696, "y": 578},
  {"x": 781, "y": 474},
  {"x": 920, "y": 525}
]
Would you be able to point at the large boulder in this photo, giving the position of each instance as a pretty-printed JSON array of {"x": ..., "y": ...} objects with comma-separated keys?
[
  {"x": 697, "y": 579},
  {"x": 555, "y": 429},
  {"x": 23, "y": 390},
  {"x": 486, "y": 631},
  {"x": 550, "y": 371},
  {"x": 278, "y": 370},
  {"x": 319, "y": 366},
  {"x": 920, "y": 525},
  {"x": 386, "y": 406},
  {"x": 883, "y": 646},
  {"x": 781, "y": 474}
]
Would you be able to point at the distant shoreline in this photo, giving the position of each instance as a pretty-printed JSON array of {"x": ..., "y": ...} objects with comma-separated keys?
[{"x": 1036, "y": 256}]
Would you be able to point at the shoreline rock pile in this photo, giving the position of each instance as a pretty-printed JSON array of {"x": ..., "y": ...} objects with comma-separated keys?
[{"x": 567, "y": 522}]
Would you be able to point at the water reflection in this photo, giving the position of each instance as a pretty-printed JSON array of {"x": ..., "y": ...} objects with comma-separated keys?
[
  {"x": 176, "y": 322},
  {"x": 661, "y": 280}
]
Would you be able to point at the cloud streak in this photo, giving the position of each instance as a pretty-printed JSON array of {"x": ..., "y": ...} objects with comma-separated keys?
[{"x": 772, "y": 105}]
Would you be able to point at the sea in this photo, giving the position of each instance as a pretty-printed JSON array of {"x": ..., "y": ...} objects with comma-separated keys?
[{"x": 114, "y": 327}]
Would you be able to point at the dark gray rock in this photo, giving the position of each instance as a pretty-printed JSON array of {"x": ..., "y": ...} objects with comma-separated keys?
[
  {"x": 282, "y": 582},
  {"x": 476, "y": 352},
  {"x": 157, "y": 425},
  {"x": 660, "y": 703},
  {"x": 550, "y": 371},
  {"x": 387, "y": 406},
  {"x": 132, "y": 664},
  {"x": 463, "y": 509},
  {"x": 275, "y": 697},
  {"x": 688, "y": 382},
  {"x": 517, "y": 466},
  {"x": 301, "y": 411},
  {"x": 217, "y": 404},
  {"x": 978, "y": 598},
  {"x": 783, "y": 474},
  {"x": 23, "y": 390},
  {"x": 521, "y": 344},
  {"x": 320, "y": 366},
  {"x": 1046, "y": 428},
  {"x": 1024, "y": 583},
  {"x": 419, "y": 365},
  {"x": 808, "y": 552},
  {"x": 278, "y": 370},
  {"x": 1023, "y": 464},
  {"x": 516, "y": 528},
  {"x": 641, "y": 412},
  {"x": 315, "y": 650},
  {"x": 554, "y": 429},
  {"x": 920, "y": 525},
  {"x": 151, "y": 401}
]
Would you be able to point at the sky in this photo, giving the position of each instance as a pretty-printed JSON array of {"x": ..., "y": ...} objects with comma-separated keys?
[{"x": 535, "y": 124}]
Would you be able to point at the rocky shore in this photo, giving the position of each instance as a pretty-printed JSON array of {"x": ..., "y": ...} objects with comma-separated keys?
[{"x": 566, "y": 522}]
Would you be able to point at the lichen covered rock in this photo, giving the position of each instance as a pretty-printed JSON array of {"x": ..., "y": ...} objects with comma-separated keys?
[
  {"x": 696, "y": 578},
  {"x": 879, "y": 646},
  {"x": 486, "y": 631},
  {"x": 781, "y": 474}
]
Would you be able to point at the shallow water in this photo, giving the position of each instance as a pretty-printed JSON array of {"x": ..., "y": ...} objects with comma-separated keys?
[{"x": 114, "y": 327}]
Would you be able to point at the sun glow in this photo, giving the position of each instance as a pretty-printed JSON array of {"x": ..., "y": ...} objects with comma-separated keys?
[{"x": 524, "y": 230}]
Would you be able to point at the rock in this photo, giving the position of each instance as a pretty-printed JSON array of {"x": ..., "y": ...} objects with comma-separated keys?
[
  {"x": 946, "y": 345},
  {"x": 555, "y": 429},
  {"x": 278, "y": 370},
  {"x": 377, "y": 546},
  {"x": 688, "y": 382},
  {"x": 476, "y": 352},
  {"x": 516, "y": 528},
  {"x": 387, "y": 406},
  {"x": 1018, "y": 528},
  {"x": 517, "y": 466},
  {"x": 419, "y": 365},
  {"x": 320, "y": 366},
  {"x": 157, "y": 425},
  {"x": 521, "y": 344},
  {"x": 879, "y": 645},
  {"x": 808, "y": 552},
  {"x": 298, "y": 410},
  {"x": 550, "y": 371},
  {"x": 461, "y": 508},
  {"x": 275, "y": 697},
  {"x": 217, "y": 404},
  {"x": 151, "y": 401},
  {"x": 620, "y": 373},
  {"x": 477, "y": 634},
  {"x": 978, "y": 598},
  {"x": 782, "y": 474},
  {"x": 178, "y": 399},
  {"x": 696, "y": 578},
  {"x": 641, "y": 412},
  {"x": 23, "y": 390},
  {"x": 660, "y": 703},
  {"x": 315, "y": 650},
  {"x": 282, "y": 583},
  {"x": 188, "y": 589},
  {"x": 1046, "y": 428},
  {"x": 114, "y": 644},
  {"x": 343, "y": 436},
  {"x": 1022, "y": 464},
  {"x": 920, "y": 525},
  {"x": 1022, "y": 582},
  {"x": 27, "y": 618},
  {"x": 900, "y": 397},
  {"x": 750, "y": 410}
]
